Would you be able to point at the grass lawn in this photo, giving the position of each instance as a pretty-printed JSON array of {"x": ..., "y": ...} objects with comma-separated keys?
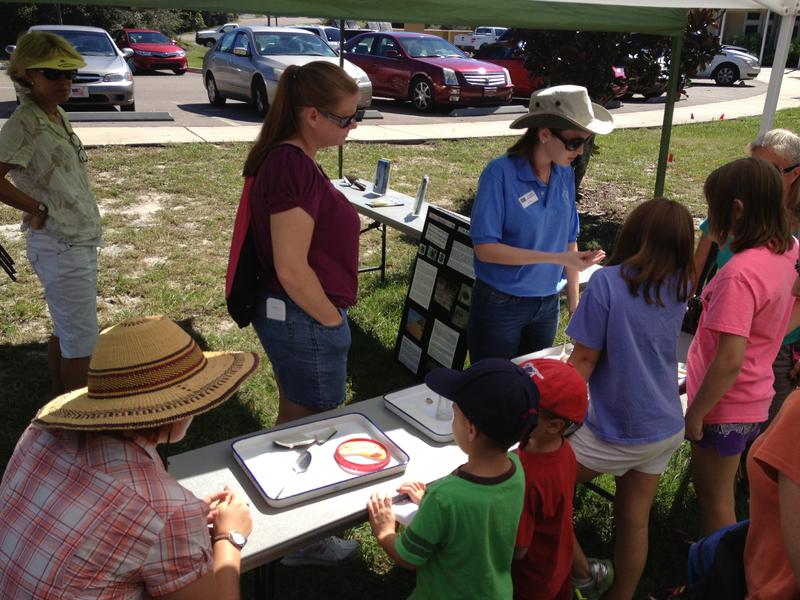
[
  {"x": 167, "y": 216},
  {"x": 194, "y": 52}
]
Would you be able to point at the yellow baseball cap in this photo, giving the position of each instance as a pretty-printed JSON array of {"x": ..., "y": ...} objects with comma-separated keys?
[{"x": 60, "y": 62}]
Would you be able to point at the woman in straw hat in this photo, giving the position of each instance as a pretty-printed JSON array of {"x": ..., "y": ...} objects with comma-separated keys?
[
  {"x": 88, "y": 509},
  {"x": 525, "y": 226},
  {"x": 46, "y": 162}
]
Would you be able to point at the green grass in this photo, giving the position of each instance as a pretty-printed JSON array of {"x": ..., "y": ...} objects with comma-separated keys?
[
  {"x": 167, "y": 216},
  {"x": 194, "y": 52}
]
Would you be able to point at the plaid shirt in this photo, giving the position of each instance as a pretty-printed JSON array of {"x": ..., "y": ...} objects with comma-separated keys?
[{"x": 87, "y": 515}]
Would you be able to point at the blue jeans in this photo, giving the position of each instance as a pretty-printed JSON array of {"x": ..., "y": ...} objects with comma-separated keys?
[
  {"x": 506, "y": 326},
  {"x": 309, "y": 359}
]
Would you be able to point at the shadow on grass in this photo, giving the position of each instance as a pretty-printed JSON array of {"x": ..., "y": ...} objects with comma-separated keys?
[{"x": 598, "y": 231}]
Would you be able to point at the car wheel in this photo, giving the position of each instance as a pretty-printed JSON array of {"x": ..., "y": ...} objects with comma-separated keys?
[
  {"x": 214, "y": 97},
  {"x": 422, "y": 94},
  {"x": 726, "y": 74},
  {"x": 260, "y": 98},
  {"x": 128, "y": 107},
  {"x": 209, "y": 43}
]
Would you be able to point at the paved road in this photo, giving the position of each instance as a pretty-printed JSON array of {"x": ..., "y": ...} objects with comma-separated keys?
[{"x": 184, "y": 97}]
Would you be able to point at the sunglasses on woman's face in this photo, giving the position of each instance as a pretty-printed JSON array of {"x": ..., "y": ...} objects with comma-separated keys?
[
  {"x": 344, "y": 122},
  {"x": 56, "y": 74},
  {"x": 570, "y": 144}
]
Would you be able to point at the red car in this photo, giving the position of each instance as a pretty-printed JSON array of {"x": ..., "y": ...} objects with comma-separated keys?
[
  {"x": 427, "y": 70},
  {"x": 511, "y": 56},
  {"x": 152, "y": 50}
]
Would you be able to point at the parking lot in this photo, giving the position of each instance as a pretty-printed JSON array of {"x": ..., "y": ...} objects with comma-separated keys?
[{"x": 184, "y": 98}]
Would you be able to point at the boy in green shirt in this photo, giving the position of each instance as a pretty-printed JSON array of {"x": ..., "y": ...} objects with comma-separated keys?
[{"x": 461, "y": 541}]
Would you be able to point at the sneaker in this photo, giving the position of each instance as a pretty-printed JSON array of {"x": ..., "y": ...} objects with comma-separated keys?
[
  {"x": 602, "y": 574},
  {"x": 328, "y": 552}
]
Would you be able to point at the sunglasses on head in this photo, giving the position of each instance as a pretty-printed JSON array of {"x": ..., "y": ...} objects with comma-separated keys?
[
  {"x": 344, "y": 122},
  {"x": 56, "y": 74},
  {"x": 570, "y": 144}
]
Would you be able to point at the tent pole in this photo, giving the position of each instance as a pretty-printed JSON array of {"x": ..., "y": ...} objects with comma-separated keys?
[
  {"x": 722, "y": 26},
  {"x": 764, "y": 38},
  {"x": 776, "y": 76},
  {"x": 341, "y": 64},
  {"x": 669, "y": 109}
]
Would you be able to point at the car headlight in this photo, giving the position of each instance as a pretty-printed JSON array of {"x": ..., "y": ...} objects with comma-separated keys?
[
  {"x": 113, "y": 77},
  {"x": 449, "y": 76},
  {"x": 362, "y": 78},
  {"x": 508, "y": 76},
  {"x": 180, "y": 53},
  {"x": 143, "y": 53}
]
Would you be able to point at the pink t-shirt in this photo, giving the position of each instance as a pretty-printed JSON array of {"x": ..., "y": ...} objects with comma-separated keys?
[{"x": 750, "y": 297}]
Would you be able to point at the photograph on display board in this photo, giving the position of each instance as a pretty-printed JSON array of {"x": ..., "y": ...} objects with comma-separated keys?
[
  {"x": 415, "y": 324},
  {"x": 445, "y": 292},
  {"x": 465, "y": 295},
  {"x": 460, "y": 317}
]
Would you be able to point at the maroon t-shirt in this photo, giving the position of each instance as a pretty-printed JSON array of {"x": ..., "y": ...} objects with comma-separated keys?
[{"x": 288, "y": 178}]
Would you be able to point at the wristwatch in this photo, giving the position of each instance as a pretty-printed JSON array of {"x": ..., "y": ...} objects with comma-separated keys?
[{"x": 234, "y": 537}]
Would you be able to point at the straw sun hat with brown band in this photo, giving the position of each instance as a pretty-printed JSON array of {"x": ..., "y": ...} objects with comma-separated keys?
[{"x": 146, "y": 372}]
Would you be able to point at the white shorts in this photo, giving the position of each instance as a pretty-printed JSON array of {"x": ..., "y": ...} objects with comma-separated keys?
[
  {"x": 617, "y": 459},
  {"x": 69, "y": 275}
]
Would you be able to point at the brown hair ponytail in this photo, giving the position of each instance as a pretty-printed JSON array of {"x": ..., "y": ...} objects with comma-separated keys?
[{"x": 319, "y": 84}]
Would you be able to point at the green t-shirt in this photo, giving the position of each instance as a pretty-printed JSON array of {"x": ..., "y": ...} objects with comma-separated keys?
[
  {"x": 462, "y": 537},
  {"x": 723, "y": 256}
]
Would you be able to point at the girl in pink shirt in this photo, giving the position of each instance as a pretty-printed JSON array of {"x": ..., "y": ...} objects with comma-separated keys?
[{"x": 746, "y": 308}]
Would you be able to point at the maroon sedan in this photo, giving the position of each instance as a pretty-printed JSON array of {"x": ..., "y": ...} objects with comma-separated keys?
[
  {"x": 152, "y": 50},
  {"x": 427, "y": 70}
]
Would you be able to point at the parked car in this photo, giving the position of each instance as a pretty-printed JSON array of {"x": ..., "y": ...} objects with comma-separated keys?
[
  {"x": 479, "y": 37},
  {"x": 352, "y": 32},
  {"x": 106, "y": 80},
  {"x": 247, "y": 63},
  {"x": 427, "y": 70},
  {"x": 511, "y": 56},
  {"x": 329, "y": 35},
  {"x": 209, "y": 37},
  {"x": 730, "y": 66},
  {"x": 152, "y": 50}
]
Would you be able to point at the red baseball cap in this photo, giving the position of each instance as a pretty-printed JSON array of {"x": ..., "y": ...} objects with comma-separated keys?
[{"x": 562, "y": 391}]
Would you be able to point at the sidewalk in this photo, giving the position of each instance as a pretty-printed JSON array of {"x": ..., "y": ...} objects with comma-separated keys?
[{"x": 789, "y": 98}]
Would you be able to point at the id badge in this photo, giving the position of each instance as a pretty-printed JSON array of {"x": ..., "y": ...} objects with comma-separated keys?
[{"x": 528, "y": 199}]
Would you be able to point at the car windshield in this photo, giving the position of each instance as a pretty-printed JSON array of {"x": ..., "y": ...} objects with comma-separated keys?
[
  {"x": 297, "y": 44},
  {"x": 148, "y": 37},
  {"x": 429, "y": 47},
  {"x": 88, "y": 43}
]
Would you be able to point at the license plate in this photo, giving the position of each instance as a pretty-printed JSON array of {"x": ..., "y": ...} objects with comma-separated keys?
[
  {"x": 490, "y": 91},
  {"x": 79, "y": 91}
]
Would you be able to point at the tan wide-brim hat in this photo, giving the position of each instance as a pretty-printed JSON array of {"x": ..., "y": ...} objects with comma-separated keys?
[
  {"x": 565, "y": 107},
  {"x": 146, "y": 372}
]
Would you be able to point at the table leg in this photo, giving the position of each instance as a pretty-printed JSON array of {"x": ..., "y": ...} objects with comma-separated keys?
[{"x": 383, "y": 251}]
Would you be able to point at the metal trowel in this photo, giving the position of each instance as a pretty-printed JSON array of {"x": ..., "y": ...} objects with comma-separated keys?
[{"x": 299, "y": 439}]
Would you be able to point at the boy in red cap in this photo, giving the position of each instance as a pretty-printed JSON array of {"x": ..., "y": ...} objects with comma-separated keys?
[
  {"x": 461, "y": 541},
  {"x": 543, "y": 555}
]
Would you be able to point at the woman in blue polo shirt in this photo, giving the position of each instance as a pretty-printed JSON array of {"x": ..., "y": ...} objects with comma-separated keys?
[{"x": 525, "y": 227}]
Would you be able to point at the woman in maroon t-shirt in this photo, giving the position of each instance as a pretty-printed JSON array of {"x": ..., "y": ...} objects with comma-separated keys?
[{"x": 306, "y": 238}]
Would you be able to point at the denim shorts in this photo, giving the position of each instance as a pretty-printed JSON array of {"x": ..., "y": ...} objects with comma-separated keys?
[
  {"x": 68, "y": 273},
  {"x": 728, "y": 439},
  {"x": 309, "y": 359},
  {"x": 506, "y": 326}
]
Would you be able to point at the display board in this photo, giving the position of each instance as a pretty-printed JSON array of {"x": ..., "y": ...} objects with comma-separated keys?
[{"x": 433, "y": 330}]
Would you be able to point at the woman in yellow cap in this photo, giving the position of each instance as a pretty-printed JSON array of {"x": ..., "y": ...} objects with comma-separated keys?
[{"x": 48, "y": 182}]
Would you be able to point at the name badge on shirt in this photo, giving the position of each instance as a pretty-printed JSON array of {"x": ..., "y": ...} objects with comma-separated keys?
[{"x": 528, "y": 199}]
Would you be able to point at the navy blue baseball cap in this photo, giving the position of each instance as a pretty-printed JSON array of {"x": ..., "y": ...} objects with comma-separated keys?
[{"x": 495, "y": 395}]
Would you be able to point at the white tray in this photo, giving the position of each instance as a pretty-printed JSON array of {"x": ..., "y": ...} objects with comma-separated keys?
[
  {"x": 270, "y": 467},
  {"x": 411, "y": 406}
]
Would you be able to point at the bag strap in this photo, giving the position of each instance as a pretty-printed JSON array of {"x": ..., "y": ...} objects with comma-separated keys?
[{"x": 708, "y": 267}]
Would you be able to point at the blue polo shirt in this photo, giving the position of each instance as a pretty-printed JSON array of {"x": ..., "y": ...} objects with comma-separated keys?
[{"x": 514, "y": 207}]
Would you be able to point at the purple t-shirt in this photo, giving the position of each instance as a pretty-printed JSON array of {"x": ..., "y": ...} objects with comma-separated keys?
[
  {"x": 287, "y": 179},
  {"x": 633, "y": 390}
]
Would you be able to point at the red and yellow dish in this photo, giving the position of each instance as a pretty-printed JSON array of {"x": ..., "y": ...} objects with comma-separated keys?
[{"x": 362, "y": 455}]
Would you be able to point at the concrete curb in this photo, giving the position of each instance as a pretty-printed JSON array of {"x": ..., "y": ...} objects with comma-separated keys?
[{"x": 195, "y": 70}]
